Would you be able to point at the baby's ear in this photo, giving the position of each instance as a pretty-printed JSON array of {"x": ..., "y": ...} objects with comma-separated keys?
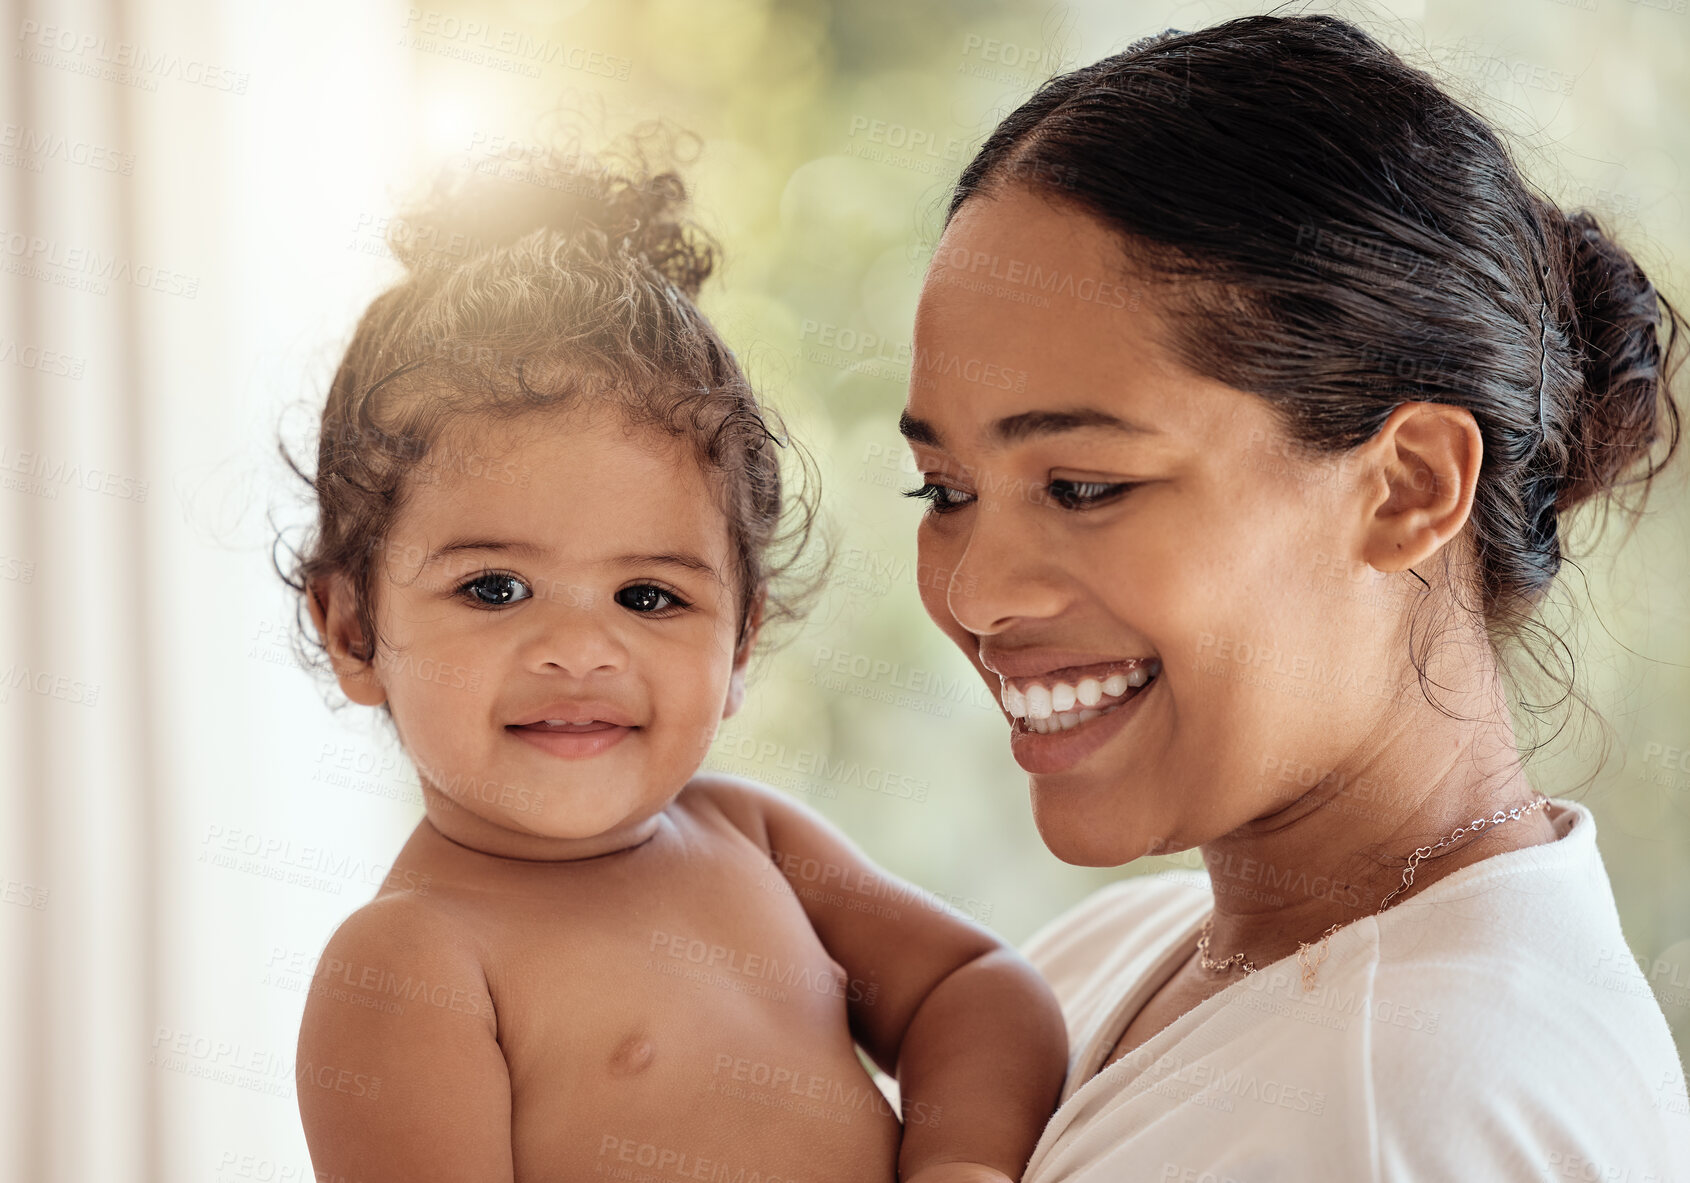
[
  {"x": 333, "y": 611},
  {"x": 742, "y": 657}
]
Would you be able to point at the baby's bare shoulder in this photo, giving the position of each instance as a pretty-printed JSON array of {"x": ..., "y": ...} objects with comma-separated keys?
[
  {"x": 743, "y": 803},
  {"x": 400, "y": 945},
  {"x": 399, "y": 1067},
  {"x": 403, "y": 922}
]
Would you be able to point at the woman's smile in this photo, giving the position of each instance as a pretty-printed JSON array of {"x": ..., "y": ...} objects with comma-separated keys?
[
  {"x": 1059, "y": 742},
  {"x": 1066, "y": 698}
]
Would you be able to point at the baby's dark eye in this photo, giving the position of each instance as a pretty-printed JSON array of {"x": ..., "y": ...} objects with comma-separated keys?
[
  {"x": 941, "y": 498},
  {"x": 494, "y": 589},
  {"x": 1084, "y": 494},
  {"x": 649, "y": 599}
]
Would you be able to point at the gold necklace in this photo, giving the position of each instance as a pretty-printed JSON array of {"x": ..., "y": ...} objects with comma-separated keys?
[{"x": 1304, "y": 947}]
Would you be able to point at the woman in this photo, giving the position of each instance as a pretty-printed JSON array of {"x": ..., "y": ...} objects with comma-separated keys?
[{"x": 1301, "y": 381}]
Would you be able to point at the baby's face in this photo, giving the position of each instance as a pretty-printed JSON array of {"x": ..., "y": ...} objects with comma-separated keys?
[{"x": 558, "y": 615}]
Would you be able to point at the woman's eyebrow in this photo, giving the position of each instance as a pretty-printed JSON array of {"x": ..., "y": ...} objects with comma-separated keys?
[
  {"x": 1029, "y": 425},
  {"x": 918, "y": 431}
]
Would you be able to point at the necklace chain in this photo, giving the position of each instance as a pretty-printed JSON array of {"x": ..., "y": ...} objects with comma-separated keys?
[{"x": 1311, "y": 954}]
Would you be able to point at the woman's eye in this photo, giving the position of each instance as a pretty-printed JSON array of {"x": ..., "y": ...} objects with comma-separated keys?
[
  {"x": 494, "y": 589},
  {"x": 941, "y": 498},
  {"x": 647, "y": 598},
  {"x": 1084, "y": 494}
]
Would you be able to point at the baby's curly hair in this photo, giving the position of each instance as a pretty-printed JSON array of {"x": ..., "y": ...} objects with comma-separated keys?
[{"x": 569, "y": 286}]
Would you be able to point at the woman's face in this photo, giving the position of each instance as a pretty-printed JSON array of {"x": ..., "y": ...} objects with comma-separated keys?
[{"x": 1099, "y": 510}]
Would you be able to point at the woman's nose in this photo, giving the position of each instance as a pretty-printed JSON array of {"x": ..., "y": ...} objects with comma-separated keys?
[{"x": 1005, "y": 574}]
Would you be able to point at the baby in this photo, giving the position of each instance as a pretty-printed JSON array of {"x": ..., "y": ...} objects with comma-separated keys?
[{"x": 550, "y": 527}]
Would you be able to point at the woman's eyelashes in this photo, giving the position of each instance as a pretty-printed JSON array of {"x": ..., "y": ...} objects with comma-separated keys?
[
  {"x": 1066, "y": 494},
  {"x": 496, "y": 589},
  {"x": 1085, "y": 494},
  {"x": 938, "y": 497}
]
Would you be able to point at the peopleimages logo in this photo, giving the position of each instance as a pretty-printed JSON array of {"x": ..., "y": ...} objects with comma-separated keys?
[
  {"x": 317, "y": 867},
  {"x": 121, "y": 61},
  {"x": 1032, "y": 280},
  {"x": 833, "y": 1099},
  {"x": 47, "y": 259},
  {"x": 834, "y": 669},
  {"x": 809, "y": 762},
  {"x": 44, "y": 361},
  {"x": 509, "y": 50},
  {"x": 34, "y": 144},
  {"x": 761, "y": 968},
  {"x": 50, "y": 472},
  {"x": 48, "y": 685}
]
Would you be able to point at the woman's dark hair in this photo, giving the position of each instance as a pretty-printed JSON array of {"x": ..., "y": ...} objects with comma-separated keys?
[
  {"x": 568, "y": 281},
  {"x": 1333, "y": 232}
]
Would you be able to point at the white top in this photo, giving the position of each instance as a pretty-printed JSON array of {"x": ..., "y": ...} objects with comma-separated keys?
[{"x": 1490, "y": 1027}]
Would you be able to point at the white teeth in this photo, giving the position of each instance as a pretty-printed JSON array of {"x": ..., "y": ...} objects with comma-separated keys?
[
  {"x": 1014, "y": 701},
  {"x": 1061, "y": 722},
  {"x": 1038, "y": 702},
  {"x": 554, "y": 722},
  {"x": 1046, "y": 709}
]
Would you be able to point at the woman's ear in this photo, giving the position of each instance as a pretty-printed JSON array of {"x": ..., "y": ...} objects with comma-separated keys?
[
  {"x": 742, "y": 658},
  {"x": 1423, "y": 467},
  {"x": 332, "y": 610}
]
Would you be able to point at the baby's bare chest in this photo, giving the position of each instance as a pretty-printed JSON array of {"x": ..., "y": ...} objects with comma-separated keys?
[{"x": 692, "y": 1021}]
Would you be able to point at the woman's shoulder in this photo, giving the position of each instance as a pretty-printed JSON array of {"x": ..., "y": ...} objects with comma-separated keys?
[
  {"x": 1536, "y": 1040},
  {"x": 1523, "y": 1062},
  {"x": 1538, "y": 924}
]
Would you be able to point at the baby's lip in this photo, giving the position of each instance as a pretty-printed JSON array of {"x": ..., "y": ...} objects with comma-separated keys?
[{"x": 577, "y": 711}]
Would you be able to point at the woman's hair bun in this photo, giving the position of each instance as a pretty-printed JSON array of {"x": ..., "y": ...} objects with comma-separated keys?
[
  {"x": 1616, "y": 317},
  {"x": 611, "y": 202}
]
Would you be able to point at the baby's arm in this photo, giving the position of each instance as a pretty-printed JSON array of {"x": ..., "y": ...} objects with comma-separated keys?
[
  {"x": 407, "y": 1086},
  {"x": 972, "y": 1032}
]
